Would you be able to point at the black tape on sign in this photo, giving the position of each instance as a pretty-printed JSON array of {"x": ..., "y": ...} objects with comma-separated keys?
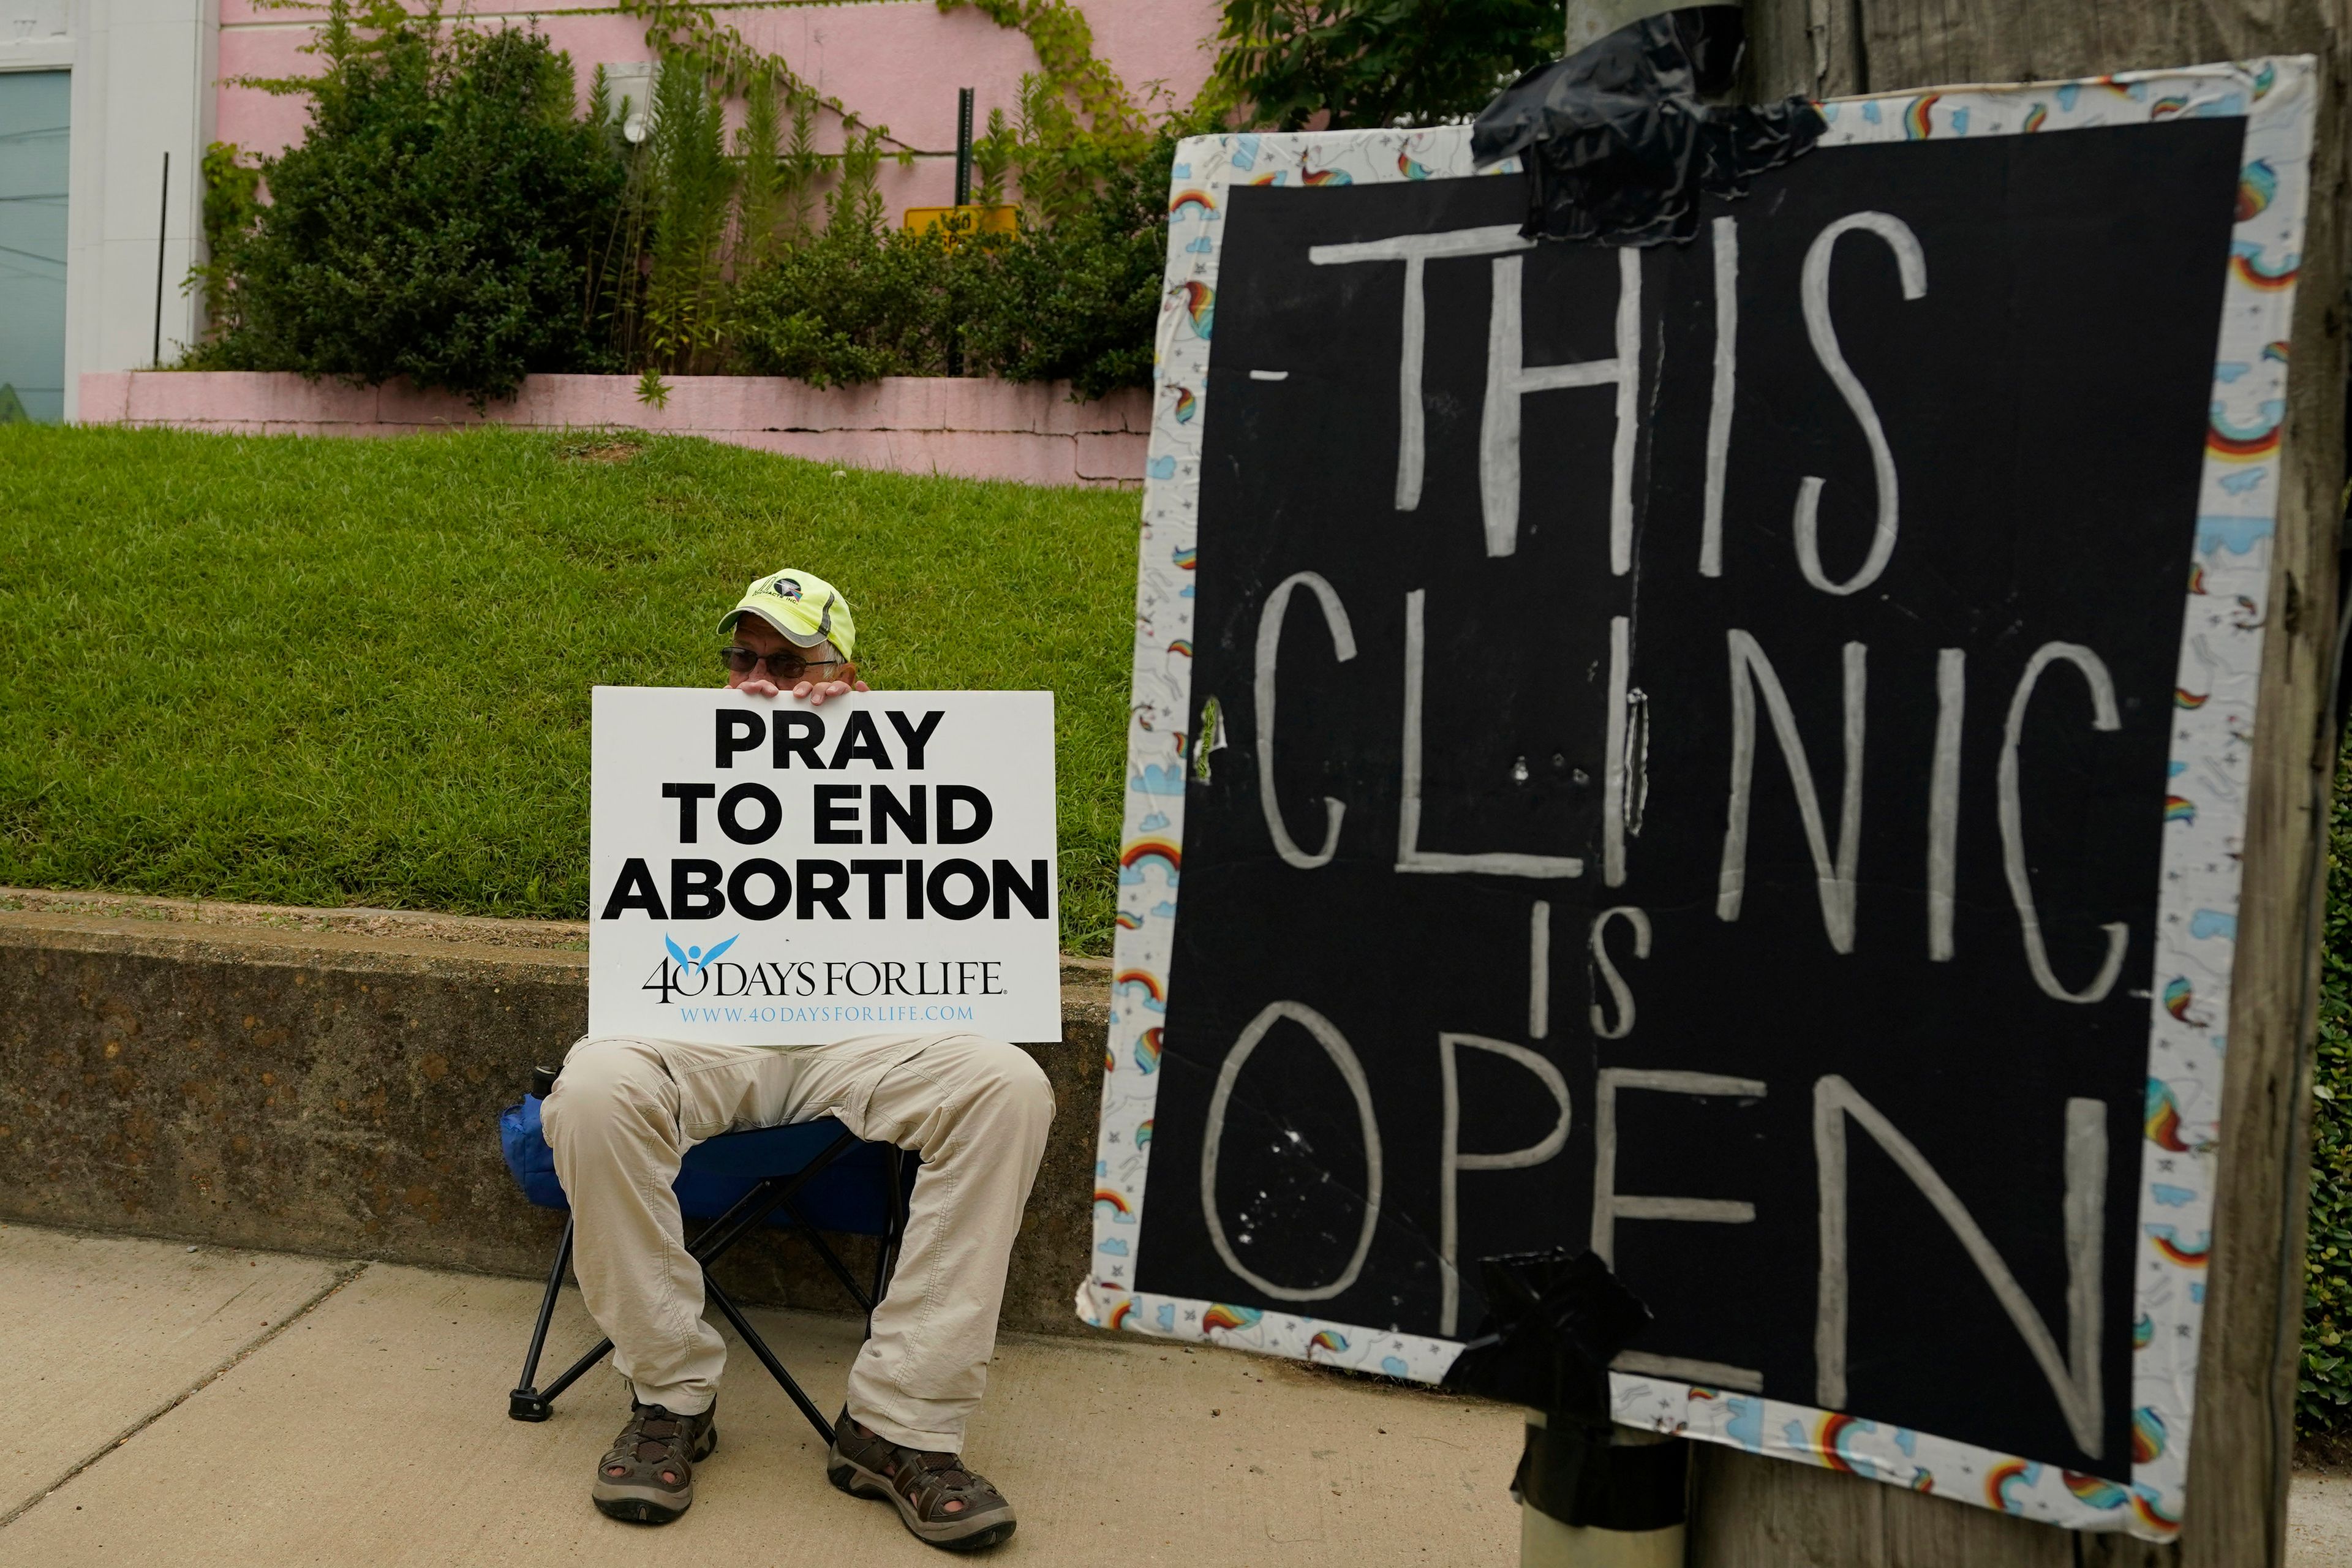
[
  {"x": 1554, "y": 1322},
  {"x": 1618, "y": 145},
  {"x": 1580, "y": 1477}
]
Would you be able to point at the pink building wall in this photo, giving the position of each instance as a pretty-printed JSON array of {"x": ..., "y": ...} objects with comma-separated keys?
[
  {"x": 968, "y": 426},
  {"x": 895, "y": 63}
]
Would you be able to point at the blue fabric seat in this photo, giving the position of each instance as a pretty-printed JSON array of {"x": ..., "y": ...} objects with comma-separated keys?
[
  {"x": 850, "y": 1197},
  {"x": 812, "y": 1177}
]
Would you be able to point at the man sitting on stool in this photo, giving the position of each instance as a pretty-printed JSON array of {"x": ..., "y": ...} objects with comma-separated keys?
[{"x": 627, "y": 1109}]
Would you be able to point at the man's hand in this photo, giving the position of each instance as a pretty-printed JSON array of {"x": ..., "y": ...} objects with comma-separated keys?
[{"x": 813, "y": 693}]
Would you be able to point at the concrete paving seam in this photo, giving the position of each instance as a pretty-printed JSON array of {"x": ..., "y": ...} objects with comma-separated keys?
[{"x": 349, "y": 1273}]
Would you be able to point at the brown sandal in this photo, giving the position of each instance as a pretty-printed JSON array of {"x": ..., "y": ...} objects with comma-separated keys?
[
  {"x": 941, "y": 1500},
  {"x": 647, "y": 1478}
]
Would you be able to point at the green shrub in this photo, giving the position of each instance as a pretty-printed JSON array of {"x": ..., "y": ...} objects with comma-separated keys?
[
  {"x": 1078, "y": 126},
  {"x": 1074, "y": 299},
  {"x": 847, "y": 308},
  {"x": 853, "y": 302},
  {"x": 2324, "y": 1392},
  {"x": 435, "y": 222},
  {"x": 1373, "y": 63},
  {"x": 1077, "y": 300},
  {"x": 232, "y": 210},
  {"x": 689, "y": 215},
  {"x": 449, "y": 219}
]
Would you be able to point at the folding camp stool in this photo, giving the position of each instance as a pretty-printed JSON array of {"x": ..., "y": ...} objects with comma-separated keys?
[{"x": 801, "y": 1176}]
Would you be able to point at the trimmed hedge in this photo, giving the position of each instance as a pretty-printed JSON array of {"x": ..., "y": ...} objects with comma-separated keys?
[{"x": 436, "y": 223}]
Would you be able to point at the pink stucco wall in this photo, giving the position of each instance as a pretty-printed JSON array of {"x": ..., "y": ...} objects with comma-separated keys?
[
  {"x": 896, "y": 63},
  {"x": 966, "y": 427}
]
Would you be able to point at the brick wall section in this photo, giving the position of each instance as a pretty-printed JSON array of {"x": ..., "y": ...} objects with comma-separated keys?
[{"x": 336, "y": 1091}]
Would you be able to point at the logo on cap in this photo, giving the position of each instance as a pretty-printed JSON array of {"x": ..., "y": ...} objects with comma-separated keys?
[{"x": 785, "y": 588}]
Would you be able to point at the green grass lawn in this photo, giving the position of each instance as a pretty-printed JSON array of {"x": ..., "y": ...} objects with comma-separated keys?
[{"x": 357, "y": 672}]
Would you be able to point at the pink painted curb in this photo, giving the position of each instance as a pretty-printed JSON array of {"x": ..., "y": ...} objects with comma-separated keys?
[{"x": 968, "y": 428}]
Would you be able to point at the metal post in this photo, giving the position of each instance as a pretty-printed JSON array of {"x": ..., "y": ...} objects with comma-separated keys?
[
  {"x": 964, "y": 146},
  {"x": 163, "y": 222},
  {"x": 963, "y": 201}
]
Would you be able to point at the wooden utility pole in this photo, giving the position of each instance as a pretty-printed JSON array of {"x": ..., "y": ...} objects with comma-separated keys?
[{"x": 1761, "y": 1513}]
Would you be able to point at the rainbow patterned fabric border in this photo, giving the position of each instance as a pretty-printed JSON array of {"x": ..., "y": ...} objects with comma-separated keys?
[{"x": 2228, "y": 581}]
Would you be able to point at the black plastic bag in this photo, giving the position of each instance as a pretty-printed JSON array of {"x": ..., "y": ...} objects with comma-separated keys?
[{"x": 1619, "y": 145}]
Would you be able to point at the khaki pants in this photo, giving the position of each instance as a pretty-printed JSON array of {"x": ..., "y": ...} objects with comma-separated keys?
[{"x": 625, "y": 1112}]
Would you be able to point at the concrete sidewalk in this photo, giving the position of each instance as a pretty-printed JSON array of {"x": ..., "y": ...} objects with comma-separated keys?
[
  {"x": 2319, "y": 1519},
  {"x": 205, "y": 1406},
  {"x": 202, "y": 1405}
]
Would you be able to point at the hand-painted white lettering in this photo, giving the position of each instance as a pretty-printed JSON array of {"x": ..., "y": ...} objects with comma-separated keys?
[
  {"x": 1615, "y": 765},
  {"x": 1485, "y": 240},
  {"x": 2072, "y": 1377},
  {"x": 2103, "y": 716},
  {"x": 1943, "y": 801},
  {"x": 1453, "y": 1161},
  {"x": 1620, "y": 996},
  {"x": 1609, "y": 1206},
  {"x": 1637, "y": 759},
  {"x": 1509, "y": 380},
  {"x": 1539, "y": 970},
  {"x": 1912, "y": 263},
  {"x": 1752, "y": 672},
  {"x": 1718, "y": 412},
  {"x": 1683, "y": 1369},
  {"x": 1352, "y": 1072},
  {"x": 1411, "y": 857},
  {"x": 1415, "y": 251},
  {"x": 1269, "y": 648}
]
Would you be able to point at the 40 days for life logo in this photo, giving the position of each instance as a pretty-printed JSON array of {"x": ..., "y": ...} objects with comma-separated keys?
[
  {"x": 684, "y": 963},
  {"x": 692, "y": 972}
]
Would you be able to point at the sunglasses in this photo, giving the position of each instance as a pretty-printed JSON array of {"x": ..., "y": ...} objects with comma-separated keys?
[{"x": 783, "y": 667}]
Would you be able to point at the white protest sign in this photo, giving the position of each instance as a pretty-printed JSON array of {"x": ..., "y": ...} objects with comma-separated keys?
[{"x": 765, "y": 872}]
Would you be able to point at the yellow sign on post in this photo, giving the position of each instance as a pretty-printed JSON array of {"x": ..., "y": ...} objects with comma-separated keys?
[{"x": 963, "y": 220}]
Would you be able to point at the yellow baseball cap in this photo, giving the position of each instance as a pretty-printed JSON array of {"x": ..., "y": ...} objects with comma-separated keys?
[{"x": 805, "y": 607}]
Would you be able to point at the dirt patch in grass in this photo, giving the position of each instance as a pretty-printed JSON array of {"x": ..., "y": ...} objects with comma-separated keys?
[{"x": 602, "y": 447}]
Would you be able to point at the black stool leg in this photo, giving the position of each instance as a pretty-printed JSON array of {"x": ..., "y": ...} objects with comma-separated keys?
[
  {"x": 893, "y": 1227},
  {"x": 525, "y": 1403},
  {"x": 751, "y": 1336},
  {"x": 528, "y": 1404}
]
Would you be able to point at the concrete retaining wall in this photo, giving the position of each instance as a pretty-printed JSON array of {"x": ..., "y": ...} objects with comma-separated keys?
[
  {"x": 969, "y": 426},
  {"x": 329, "y": 1081}
]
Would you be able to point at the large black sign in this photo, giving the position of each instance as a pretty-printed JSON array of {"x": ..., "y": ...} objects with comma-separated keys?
[{"x": 1684, "y": 766}]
